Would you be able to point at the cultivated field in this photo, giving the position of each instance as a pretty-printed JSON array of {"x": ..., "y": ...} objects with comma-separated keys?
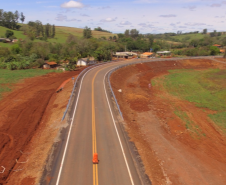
[{"x": 175, "y": 114}]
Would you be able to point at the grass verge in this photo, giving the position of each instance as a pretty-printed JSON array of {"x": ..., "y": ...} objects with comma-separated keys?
[{"x": 206, "y": 88}]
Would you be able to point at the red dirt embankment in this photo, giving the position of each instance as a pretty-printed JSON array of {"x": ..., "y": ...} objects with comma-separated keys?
[
  {"x": 21, "y": 116},
  {"x": 171, "y": 153}
]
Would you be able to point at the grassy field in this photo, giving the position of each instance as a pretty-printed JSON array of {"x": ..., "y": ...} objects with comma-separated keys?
[
  {"x": 207, "y": 89},
  {"x": 192, "y": 37},
  {"x": 61, "y": 36},
  {"x": 8, "y": 77}
]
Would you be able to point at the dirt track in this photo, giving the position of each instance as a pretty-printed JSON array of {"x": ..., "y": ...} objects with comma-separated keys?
[
  {"x": 21, "y": 116},
  {"x": 171, "y": 153}
]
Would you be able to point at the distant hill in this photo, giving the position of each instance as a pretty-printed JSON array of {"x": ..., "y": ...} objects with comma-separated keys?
[
  {"x": 183, "y": 38},
  {"x": 61, "y": 36}
]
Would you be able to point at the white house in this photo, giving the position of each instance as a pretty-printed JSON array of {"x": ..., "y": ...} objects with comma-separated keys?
[{"x": 81, "y": 62}]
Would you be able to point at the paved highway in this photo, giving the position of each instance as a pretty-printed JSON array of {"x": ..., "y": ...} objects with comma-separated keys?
[{"x": 93, "y": 129}]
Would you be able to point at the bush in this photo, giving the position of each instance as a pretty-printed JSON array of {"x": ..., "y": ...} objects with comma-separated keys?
[
  {"x": 16, "y": 49},
  {"x": 4, "y": 51},
  {"x": 9, "y": 33},
  {"x": 214, "y": 50}
]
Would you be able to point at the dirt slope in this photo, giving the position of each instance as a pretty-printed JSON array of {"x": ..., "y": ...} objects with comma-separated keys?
[
  {"x": 21, "y": 117},
  {"x": 171, "y": 153}
]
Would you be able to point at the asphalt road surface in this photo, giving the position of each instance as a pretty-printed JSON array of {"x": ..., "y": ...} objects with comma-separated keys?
[{"x": 93, "y": 129}]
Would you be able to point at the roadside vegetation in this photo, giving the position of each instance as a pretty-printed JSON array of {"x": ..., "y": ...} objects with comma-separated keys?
[{"x": 207, "y": 89}]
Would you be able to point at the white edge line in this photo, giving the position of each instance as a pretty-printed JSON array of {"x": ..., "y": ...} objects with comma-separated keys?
[
  {"x": 68, "y": 137},
  {"x": 131, "y": 178}
]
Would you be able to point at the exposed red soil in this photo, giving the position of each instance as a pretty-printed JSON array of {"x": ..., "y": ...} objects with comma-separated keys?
[
  {"x": 21, "y": 118},
  {"x": 171, "y": 153}
]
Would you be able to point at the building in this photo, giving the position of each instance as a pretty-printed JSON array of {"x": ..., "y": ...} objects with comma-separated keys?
[
  {"x": 48, "y": 65},
  {"x": 15, "y": 40},
  {"x": 161, "y": 53},
  {"x": 147, "y": 55},
  {"x": 125, "y": 55},
  {"x": 217, "y": 45},
  {"x": 82, "y": 62}
]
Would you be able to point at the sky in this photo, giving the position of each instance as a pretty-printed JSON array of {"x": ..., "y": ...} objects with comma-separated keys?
[{"x": 147, "y": 16}]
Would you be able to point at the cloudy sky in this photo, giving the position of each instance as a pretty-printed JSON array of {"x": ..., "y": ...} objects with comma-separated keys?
[{"x": 148, "y": 16}]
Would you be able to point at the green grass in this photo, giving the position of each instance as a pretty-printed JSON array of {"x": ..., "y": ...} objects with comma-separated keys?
[
  {"x": 61, "y": 36},
  {"x": 207, "y": 89},
  {"x": 18, "y": 34},
  {"x": 190, "y": 37},
  {"x": 189, "y": 124},
  {"x": 8, "y": 77}
]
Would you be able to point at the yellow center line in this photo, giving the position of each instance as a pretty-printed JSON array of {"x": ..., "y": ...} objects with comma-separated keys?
[{"x": 95, "y": 166}]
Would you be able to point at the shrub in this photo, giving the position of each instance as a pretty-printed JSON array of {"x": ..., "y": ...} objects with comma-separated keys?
[
  {"x": 4, "y": 51},
  {"x": 16, "y": 49},
  {"x": 9, "y": 33},
  {"x": 214, "y": 50}
]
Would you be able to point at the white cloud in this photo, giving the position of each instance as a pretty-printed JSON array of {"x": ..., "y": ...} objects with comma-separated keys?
[
  {"x": 167, "y": 16},
  {"x": 84, "y": 15},
  {"x": 104, "y": 7},
  {"x": 145, "y": 1},
  {"x": 108, "y": 20},
  {"x": 144, "y": 25},
  {"x": 194, "y": 24},
  {"x": 72, "y": 4},
  {"x": 215, "y": 5},
  {"x": 125, "y": 23},
  {"x": 61, "y": 17},
  {"x": 191, "y": 8}
]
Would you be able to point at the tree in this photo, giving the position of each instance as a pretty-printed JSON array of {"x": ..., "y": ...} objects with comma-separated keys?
[
  {"x": 1, "y": 16},
  {"x": 134, "y": 33},
  {"x": 22, "y": 17},
  {"x": 9, "y": 33},
  {"x": 204, "y": 31},
  {"x": 17, "y": 16},
  {"x": 53, "y": 31},
  {"x": 87, "y": 33},
  {"x": 151, "y": 40},
  {"x": 126, "y": 33}
]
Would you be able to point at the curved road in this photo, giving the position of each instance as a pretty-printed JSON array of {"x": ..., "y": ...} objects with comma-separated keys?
[{"x": 93, "y": 129}]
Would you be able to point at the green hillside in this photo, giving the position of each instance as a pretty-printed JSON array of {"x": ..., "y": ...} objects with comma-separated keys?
[
  {"x": 61, "y": 36},
  {"x": 189, "y": 37}
]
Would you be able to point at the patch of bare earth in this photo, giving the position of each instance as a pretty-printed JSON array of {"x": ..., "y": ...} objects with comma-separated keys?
[
  {"x": 30, "y": 120},
  {"x": 171, "y": 153}
]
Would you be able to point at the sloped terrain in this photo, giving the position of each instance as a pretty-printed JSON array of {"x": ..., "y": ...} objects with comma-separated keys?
[{"x": 172, "y": 153}]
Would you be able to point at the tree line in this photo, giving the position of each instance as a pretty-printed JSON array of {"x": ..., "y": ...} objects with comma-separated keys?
[
  {"x": 100, "y": 29},
  {"x": 36, "y": 29},
  {"x": 10, "y": 19}
]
